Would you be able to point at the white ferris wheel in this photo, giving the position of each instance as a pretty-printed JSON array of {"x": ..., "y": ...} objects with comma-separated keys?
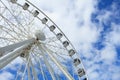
[{"x": 29, "y": 34}]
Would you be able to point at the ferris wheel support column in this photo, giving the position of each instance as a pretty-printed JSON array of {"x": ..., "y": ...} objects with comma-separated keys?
[
  {"x": 9, "y": 48},
  {"x": 6, "y": 59},
  {"x": 49, "y": 52}
]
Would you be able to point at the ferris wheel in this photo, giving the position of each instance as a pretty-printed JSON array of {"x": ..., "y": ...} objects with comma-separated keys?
[{"x": 42, "y": 49}]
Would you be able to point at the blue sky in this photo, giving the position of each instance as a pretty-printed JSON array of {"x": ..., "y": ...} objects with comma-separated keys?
[
  {"x": 107, "y": 37},
  {"x": 93, "y": 26}
]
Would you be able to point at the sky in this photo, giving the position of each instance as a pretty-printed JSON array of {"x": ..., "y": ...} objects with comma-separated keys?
[{"x": 93, "y": 26}]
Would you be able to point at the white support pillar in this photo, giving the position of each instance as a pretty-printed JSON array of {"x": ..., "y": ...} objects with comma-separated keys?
[
  {"x": 49, "y": 52},
  {"x": 6, "y": 59},
  {"x": 9, "y": 48}
]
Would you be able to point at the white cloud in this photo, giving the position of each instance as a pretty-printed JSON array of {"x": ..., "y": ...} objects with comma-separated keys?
[
  {"x": 104, "y": 16},
  {"x": 94, "y": 75},
  {"x": 108, "y": 54},
  {"x": 6, "y": 76},
  {"x": 69, "y": 18},
  {"x": 114, "y": 36}
]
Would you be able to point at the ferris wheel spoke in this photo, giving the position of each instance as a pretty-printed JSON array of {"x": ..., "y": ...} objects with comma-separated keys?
[
  {"x": 25, "y": 20},
  {"x": 29, "y": 25},
  {"x": 50, "y": 40},
  {"x": 42, "y": 72},
  {"x": 7, "y": 39},
  {"x": 18, "y": 35},
  {"x": 48, "y": 65},
  {"x": 18, "y": 71},
  {"x": 4, "y": 41},
  {"x": 28, "y": 72},
  {"x": 40, "y": 65},
  {"x": 25, "y": 69},
  {"x": 49, "y": 52},
  {"x": 41, "y": 68},
  {"x": 56, "y": 45},
  {"x": 52, "y": 45},
  {"x": 15, "y": 19},
  {"x": 8, "y": 33},
  {"x": 13, "y": 26},
  {"x": 60, "y": 54},
  {"x": 13, "y": 31},
  {"x": 28, "y": 68},
  {"x": 34, "y": 73}
]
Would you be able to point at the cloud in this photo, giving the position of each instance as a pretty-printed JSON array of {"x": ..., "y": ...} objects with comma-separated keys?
[
  {"x": 108, "y": 54},
  {"x": 6, "y": 76},
  {"x": 113, "y": 37}
]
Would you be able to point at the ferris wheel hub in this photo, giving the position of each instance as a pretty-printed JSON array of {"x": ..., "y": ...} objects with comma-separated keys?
[{"x": 40, "y": 35}]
